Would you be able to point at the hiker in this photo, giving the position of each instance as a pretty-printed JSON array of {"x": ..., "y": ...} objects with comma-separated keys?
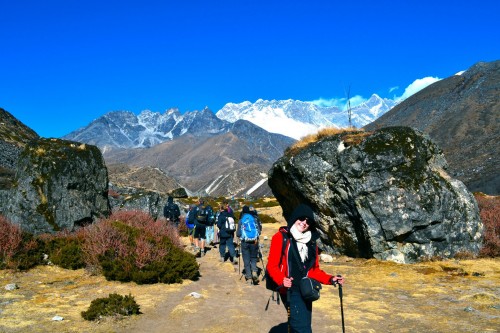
[
  {"x": 226, "y": 203},
  {"x": 172, "y": 212},
  {"x": 190, "y": 223},
  {"x": 209, "y": 226},
  {"x": 216, "y": 229},
  {"x": 248, "y": 231},
  {"x": 288, "y": 263},
  {"x": 200, "y": 220},
  {"x": 227, "y": 227}
]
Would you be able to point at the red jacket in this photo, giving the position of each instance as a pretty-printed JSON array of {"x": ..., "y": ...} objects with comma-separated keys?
[{"x": 279, "y": 272}]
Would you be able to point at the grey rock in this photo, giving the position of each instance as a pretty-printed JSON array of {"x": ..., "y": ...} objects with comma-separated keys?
[
  {"x": 58, "y": 185},
  {"x": 384, "y": 195},
  {"x": 129, "y": 198},
  {"x": 11, "y": 286}
]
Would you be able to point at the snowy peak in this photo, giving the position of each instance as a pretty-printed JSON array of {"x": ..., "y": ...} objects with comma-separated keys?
[{"x": 297, "y": 118}]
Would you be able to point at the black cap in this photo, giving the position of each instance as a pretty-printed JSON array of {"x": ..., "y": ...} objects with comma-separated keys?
[{"x": 302, "y": 210}]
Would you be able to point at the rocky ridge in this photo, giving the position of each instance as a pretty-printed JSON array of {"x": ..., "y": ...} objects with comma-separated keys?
[{"x": 462, "y": 115}]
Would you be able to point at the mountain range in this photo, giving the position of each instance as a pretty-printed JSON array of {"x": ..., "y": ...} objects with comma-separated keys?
[
  {"x": 230, "y": 152},
  {"x": 292, "y": 118}
]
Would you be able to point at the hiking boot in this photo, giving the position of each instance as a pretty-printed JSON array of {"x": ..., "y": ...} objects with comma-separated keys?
[{"x": 255, "y": 278}]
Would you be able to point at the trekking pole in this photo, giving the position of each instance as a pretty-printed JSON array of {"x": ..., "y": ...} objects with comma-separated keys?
[
  {"x": 239, "y": 257},
  {"x": 263, "y": 265},
  {"x": 288, "y": 308},
  {"x": 341, "y": 306}
]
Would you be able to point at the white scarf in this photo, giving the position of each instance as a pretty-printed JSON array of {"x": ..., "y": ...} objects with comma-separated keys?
[{"x": 301, "y": 239}]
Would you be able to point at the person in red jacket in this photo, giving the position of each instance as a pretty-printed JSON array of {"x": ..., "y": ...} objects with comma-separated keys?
[{"x": 283, "y": 266}]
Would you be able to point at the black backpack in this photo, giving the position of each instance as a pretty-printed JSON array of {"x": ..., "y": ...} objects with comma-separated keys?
[
  {"x": 202, "y": 215},
  {"x": 270, "y": 284}
]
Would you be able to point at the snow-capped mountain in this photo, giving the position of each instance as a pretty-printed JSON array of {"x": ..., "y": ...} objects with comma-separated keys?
[
  {"x": 292, "y": 118},
  {"x": 123, "y": 129},
  {"x": 296, "y": 118}
]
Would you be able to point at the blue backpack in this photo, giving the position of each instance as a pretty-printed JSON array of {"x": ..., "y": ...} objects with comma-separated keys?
[{"x": 249, "y": 228}]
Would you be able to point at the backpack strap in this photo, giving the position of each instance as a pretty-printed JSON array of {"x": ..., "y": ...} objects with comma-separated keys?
[{"x": 276, "y": 299}]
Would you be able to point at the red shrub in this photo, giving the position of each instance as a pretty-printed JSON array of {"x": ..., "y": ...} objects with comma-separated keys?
[
  {"x": 99, "y": 238},
  {"x": 129, "y": 234},
  {"x": 489, "y": 209},
  {"x": 10, "y": 240}
]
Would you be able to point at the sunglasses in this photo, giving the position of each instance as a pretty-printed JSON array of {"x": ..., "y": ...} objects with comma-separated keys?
[{"x": 304, "y": 219}]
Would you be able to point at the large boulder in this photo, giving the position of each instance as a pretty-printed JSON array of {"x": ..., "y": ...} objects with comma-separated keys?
[
  {"x": 131, "y": 198},
  {"x": 58, "y": 185},
  {"x": 383, "y": 194}
]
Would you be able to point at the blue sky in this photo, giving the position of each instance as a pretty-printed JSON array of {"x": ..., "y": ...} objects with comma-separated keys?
[{"x": 64, "y": 63}]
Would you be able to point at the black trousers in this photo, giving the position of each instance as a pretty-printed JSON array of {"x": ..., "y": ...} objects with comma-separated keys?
[{"x": 300, "y": 320}]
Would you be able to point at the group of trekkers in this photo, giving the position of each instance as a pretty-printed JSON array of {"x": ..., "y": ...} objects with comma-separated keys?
[
  {"x": 202, "y": 222},
  {"x": 292, "y": 268}
]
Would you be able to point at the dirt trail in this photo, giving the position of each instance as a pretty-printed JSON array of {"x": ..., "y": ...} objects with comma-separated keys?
[{"x": 227, "y": 304}]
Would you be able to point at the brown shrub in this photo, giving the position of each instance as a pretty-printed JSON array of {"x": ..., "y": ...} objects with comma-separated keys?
[
  {"x": 489, "y": 209},
  {"x": 99, "y": 238},
  {"x": 10, "y": 241},
  {"x": 114, "y": 234}
]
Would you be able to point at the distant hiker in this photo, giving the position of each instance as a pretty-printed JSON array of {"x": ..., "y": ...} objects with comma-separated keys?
[
  {"x": 227, "y": 226},
  {"x": 216, "y": 229},
  {"x": 210, "y": 226},
  {"x": 190, "y": 223},
  {"x": 290, "y": 261},
  {"x": 200, "y": 214},
  {"x": 229, "y": 205},
  {"x": 172, "y": 212},
  {"x": 248, "y": 232}
]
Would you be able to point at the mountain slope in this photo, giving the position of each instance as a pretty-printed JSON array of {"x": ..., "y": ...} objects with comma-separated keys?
[
  {"x": 462, "y": 115},
  {"x": 225, "y": 164}
]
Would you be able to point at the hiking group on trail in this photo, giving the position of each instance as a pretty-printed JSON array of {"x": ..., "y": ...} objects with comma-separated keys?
[{"x": 292, "y": 269}]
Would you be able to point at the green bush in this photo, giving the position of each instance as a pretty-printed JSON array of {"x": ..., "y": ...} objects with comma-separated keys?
[
  {"x": 267, "y": 219},
  {"x": 172, "y": 268},
  {"x": 261, "y": 203},
  {"x": 113, "y": 305},
  {"x": 65, "y": 252}
]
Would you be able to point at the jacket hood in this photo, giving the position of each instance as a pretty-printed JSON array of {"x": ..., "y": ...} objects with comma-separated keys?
[
  {"x": 302, "y": 210},
  {"x": 170, "y": 200}
]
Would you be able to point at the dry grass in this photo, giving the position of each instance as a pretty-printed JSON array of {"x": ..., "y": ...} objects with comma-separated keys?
[{"x": 352, "y": 136}]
